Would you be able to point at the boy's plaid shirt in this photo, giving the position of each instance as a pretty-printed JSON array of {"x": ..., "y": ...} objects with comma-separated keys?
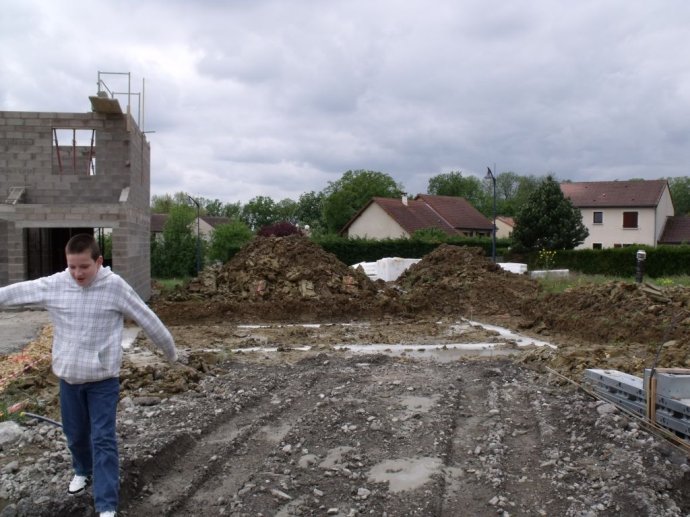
[{"x": 88, "y": 322}]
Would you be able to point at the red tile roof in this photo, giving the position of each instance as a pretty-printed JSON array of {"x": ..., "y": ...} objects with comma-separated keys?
[
  {"x": 634, "y": 193},
  {"x": 457, "y": 211},
  {"x": 676, "y": 231},
  {"x": 414, "y": 216},
  {"x": 451, "y": 214},
  {"x": 158, "y": 221}
]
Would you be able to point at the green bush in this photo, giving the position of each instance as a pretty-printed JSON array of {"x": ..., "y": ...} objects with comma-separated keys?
[
  {"x": 353, "y": 251},
  {"x": 618, "y": 262},
  {"x": 227, "y": 240}
]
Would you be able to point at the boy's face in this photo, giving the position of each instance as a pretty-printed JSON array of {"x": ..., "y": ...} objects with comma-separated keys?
[{"x": 82, "y": 267}]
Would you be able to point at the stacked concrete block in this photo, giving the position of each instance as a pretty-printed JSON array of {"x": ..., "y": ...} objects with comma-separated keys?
[{"x": 63, "y": 192}]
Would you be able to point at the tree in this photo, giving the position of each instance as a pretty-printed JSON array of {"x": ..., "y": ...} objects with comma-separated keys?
[
  {"x": 285, "y": 210},
  {"x": 232, "y": 210},
  {"x": 175, "y": 254},
  {"x": 165, "y": 203},
  {"x": 259, "y": 211},
  {"x": 344, "y": 197},
  {"x": 680, "y": 193},
  {"x": 454, "y": 184},
  {"x": 226, "y": 239},
  {"x": 213, "y": 208},
  {"x": 548, "y": 220},
  {"x": 279, "y": 229},
  {"x": 310, "y": 210},
  {"x": 513, "y": 191}
]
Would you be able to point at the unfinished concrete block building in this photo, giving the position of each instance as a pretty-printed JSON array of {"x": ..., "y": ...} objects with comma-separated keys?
[{"x": 68, "y": 173}]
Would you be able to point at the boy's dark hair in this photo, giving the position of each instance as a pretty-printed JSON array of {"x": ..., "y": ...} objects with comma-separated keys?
[{"x": 83, "y": 242}]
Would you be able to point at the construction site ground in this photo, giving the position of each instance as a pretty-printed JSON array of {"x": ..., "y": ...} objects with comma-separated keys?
[{"x": 310, "y": 390}]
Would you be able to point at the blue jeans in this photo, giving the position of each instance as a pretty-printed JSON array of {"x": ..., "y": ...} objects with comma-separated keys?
[{"x": 88, "y": 420}]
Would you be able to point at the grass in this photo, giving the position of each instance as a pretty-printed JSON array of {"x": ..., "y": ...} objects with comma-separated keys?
[
  {"x": 560, "y": 284},
  {"x": 168, "y": 284}
]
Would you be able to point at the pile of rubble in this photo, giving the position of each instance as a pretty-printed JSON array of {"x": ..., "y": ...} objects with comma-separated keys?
[
  {"x": 613, "y": 311},
  {"x": 463, "y": 281},
  {"x": 276, "y": 278},
  {"x": 616, "y": 325},
  {"x": 280, "y": 268}
]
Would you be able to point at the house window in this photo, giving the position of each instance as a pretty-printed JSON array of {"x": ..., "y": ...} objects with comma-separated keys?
[
  {"x": 617, "y": 245},
  {"x": 629, "y": 219},
  {"x": 596, "y": 246},
  {"x": 598, "y": 218}
]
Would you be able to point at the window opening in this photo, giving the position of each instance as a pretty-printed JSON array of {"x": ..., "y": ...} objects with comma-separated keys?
[
  {"x": 596, "y": 246},
  {"x": 75, "y": 149},
  {"x": 629, "y": 219},
  {"x": 598, "y": 218}
]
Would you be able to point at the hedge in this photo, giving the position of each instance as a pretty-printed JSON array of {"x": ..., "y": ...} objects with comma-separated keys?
[
  {"x": 661, "y": 261},
  {"x": 353, "y": 251}
]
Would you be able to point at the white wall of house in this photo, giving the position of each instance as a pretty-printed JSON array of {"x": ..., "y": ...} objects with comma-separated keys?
[
  {"x": 610, "y": 232},
  {"x": 503, "y": 230},
  {"x": 375, "y": 223},
  {"x": 205, "y": 229},
  {"x": 663, "y": 211}
]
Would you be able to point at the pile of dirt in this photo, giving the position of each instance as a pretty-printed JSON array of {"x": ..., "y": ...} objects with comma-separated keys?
[
  {"x": 278, "y": 278},
  {"x": 461, "y": 280},
  {"x": 615, "y": 325},
  {"x": 613, "y": 312}
]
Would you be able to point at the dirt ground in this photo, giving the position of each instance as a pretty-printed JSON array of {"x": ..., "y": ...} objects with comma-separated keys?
[{"x": 272, "y": 417}]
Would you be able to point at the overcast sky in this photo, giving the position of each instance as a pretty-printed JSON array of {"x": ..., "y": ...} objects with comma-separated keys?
[{"x": 279, "y": 97}]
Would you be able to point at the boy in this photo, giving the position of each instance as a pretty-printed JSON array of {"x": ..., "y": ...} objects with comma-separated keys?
[{"x": 88, "y": 303}]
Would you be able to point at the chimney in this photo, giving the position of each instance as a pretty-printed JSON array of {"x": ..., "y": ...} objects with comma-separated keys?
[{"x": 404, "y": 200}]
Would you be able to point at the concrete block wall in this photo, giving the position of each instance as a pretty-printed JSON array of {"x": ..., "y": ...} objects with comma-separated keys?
[
  {"x": 61, "y": 198},
  {"x": 4, "y": 264}
]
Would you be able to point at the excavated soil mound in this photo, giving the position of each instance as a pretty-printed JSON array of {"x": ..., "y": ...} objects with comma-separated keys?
[
  {"x": 614, "y": 325},
  {"x": 614, "y": 312},
  {"x": 462, "y": 280},
  {"x": 277, "y": 278}
]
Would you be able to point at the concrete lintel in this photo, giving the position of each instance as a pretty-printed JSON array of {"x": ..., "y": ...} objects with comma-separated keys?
[{"x": 68, "y": 223}]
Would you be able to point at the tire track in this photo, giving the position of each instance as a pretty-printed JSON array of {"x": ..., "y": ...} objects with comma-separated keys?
[{"x": 180, "y": 472}]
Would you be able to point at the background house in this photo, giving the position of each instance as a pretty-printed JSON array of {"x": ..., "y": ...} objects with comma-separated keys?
[
  {"x": 206, "y": 225},
  {"x": 676, "y": 231},
  {"x": 384, "y": 218},
  {"x": 504, "y": 226},
  {"x": 620, "y": 213}
]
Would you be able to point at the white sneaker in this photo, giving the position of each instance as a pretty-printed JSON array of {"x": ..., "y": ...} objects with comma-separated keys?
[
  {"x": 78, "y": 484},
  {"x": 107, "y": 514}
]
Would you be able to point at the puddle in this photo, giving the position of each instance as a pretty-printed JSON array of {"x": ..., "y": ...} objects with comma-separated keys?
[
  {"x": 505, "y": 344},
  {"x": 419, "y": 404},
  {"x": 275, "y": 434},
  {"x": 303, "y": 325},
  {"x": 405, "y": 473},
  {"x": 442, "y": 353},
  {"x": 509, "y": 334},
  {"x": 335, "y": 457}
]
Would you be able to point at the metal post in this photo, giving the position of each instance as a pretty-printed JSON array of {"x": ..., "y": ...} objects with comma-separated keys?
[
  {"x": 198, "y": 241},
  {"x": 639, "y": 273},
  {"x": 490, "y": 175}
]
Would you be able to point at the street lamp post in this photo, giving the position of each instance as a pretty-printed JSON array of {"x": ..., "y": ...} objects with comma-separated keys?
[
  {"x": 198, "y": 241},
  {"x": 490, "y": 175}
]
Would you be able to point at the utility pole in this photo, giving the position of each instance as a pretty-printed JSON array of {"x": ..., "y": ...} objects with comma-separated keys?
[
  {"x": 490, "y": 175},
  {"x": 198, "y": 239}
]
